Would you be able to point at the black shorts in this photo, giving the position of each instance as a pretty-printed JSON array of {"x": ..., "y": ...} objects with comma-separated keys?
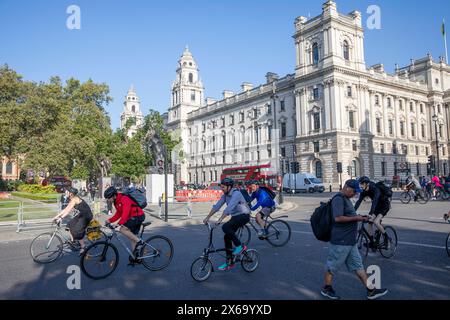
[
  {"x": 134, "y": 223},
  {"x": 77, "y": 227}
]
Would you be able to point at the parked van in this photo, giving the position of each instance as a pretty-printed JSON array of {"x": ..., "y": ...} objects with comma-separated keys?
[{"x": 302, "y": 182}]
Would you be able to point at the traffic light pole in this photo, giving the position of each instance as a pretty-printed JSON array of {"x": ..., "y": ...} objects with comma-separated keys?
[
  {"x": 166, "y": 187},
  {"x": 438, "y": 169}
]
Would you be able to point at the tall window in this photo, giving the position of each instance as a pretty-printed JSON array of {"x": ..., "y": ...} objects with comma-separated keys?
[
  {"x": 389, "y": 102},
  {"x": 400, "y": 104},
  {"x": 213, "y": 143},
  {"x": 391, "y": 126},
  {"x": 223, "y": 121},
  {"x": 257, "y": 134},
  {"x": 427, "y": 150},
  {"x": 283, "y": 152},
  {"x": 9, "y": 168},
  {"x": 351, "y": 119},
  {"x": 383, "y": 169},
  {"x": 421, "y": 108},
  {"x": 231, "y": 119},
  {"x": 417, "y": 150},
  {"x": 349, "y": 91},
  {"x": 402, "y": 128},
  {"x": 269, "y": 109},
  {"x": 319, "y": 170},
  {"x": 413, "y": 129},
  {"x": 440, "y": 131},
  {"x": 255, "y": 113},
  {"x": 316, "y": 146},
  {"x": 378, "y": 124},
  {"x": 269, "y": 153},
  {"x": 224, "y": 142},
  {"x": 316, "y": 118},
  {"x": 282, "y": 105},
  {"x": 315, "y": 54},
  {"x": 192, "y": 95},
  {"x": 394, "y": 148},
  {"x": 269, "y": 130},
  {"x": 133, "y": 109},
  {"x": 316, "y": 93},
  {"x": 422, "y": 128},
  {"x": 411, "y": 106},
  {"x": 203, "y": 127},
  {"x": 382, "y": 148},
  {"x": 283, "y": 129},
  {"x": 354, "y": 145},
  {"x": 241, "y": 116},
  {"x": 377, "y": 100},
  {"x": 191, "y": 78},
  {"x": 346, "y": 51}
]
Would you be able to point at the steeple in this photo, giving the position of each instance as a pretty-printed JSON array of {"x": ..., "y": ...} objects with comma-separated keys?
[{"x": 132, "y": 109}]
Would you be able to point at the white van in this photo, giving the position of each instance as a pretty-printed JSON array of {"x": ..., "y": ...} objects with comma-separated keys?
[{"x": 302, "y": 182}]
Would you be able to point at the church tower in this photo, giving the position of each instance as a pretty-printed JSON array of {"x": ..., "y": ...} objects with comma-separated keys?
[
  {"x": 187, "y": 96},
  {"x": 132, "y": 109}
]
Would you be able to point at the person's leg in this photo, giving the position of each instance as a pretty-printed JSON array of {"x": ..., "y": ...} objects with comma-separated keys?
[
  {"x": 130, "y": 235},
  {"x": 336, "y": 257},
  {"x": 377, "y": 223},
  {"x": 260, "y": 219},
  {"x": 227, "y": 239}
]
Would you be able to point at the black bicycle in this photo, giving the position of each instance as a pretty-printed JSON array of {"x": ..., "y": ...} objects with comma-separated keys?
[
  {"x": 101, "y": 258},
  {"x": 277, "y": 232},
  {"x": 202, "y": 267},
  {"x": 386, "y": 248},
  {"x": 421, "y": 196}
]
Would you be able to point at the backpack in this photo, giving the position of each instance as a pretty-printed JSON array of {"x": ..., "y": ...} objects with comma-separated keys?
[
  {"x": 269, "y": 192},
  {"x": 385, "y": 190},
  {"x": 322, "y": 221},
  {"x": 246, "y": 196},
  {"x": 137, "y": 195}
]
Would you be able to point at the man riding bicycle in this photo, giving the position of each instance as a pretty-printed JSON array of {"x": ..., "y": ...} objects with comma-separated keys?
[
  {"x": 413, "y": 184},
  {"x": 265, "y": 201},
  {"x": 379, "y": 209},
  {"x": 239, "y": 211},
  {"x": 130, "y": 214}
]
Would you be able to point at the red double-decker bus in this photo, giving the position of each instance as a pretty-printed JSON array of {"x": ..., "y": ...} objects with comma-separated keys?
[{"x": 263, "y": 173}]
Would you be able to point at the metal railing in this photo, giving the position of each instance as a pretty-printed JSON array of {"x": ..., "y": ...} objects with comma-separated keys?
[{"x": 180, "y": 208}]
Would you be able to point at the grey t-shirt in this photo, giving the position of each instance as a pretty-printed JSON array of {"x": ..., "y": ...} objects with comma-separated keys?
[{"x": 343, "y": 234}]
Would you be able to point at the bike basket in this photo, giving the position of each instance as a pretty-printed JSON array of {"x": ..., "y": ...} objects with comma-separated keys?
[{"x": 93, "y": 231}]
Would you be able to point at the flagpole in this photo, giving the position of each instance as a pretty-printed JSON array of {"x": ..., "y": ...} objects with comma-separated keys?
[{"x": 445, "y": 41}]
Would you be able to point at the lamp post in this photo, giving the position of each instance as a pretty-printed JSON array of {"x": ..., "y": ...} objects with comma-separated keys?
[
  {"x": 280, "y": 197},
  {"x": 435, "y": 120}
]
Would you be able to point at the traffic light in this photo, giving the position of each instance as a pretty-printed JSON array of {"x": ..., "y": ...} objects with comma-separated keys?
[
  {"x": 295, "y": 167},
  {"x": 160, "y": 164},
  {"x": 339, "y": 167}
]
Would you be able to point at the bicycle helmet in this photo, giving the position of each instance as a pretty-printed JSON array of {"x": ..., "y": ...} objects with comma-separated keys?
[
  {"x": 364, "y": 179},
  {"x": 227, "y": 182},
  {"x": 72, "y": 190},
  {"x": 255, "y": 182},
  {"x": 110, "y": 192}
]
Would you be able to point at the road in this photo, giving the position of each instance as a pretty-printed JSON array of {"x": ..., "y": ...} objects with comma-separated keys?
[{"x": 420, "y": 269}]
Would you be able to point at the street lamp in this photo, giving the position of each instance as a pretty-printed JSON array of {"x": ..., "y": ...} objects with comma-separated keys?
[
  {"x": 280, "y": 197},
  {"x": 435, "y": 120}
]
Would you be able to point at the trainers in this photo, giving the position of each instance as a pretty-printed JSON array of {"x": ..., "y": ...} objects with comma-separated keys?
[
  {"x": 376, "y": 293},
  {"x": 226, "y": 267},
  {"x": 329, "y": 293},
  {"x": 238, "y": 250}
]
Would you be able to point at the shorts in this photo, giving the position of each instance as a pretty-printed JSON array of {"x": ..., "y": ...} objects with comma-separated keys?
[
  {"x": 134, "y": 223},
  {"x": 77, "y": 227},
  {"x": 382, "y": 210},
  {"x": 266, "y": 211},
  {"x": 338, "y": 255}
]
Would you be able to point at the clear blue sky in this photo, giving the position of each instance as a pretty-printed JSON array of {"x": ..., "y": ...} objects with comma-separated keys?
[{"x": 140, "y": 42}]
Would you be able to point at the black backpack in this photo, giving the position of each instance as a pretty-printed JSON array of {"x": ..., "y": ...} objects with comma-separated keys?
[
  {"x": 137, "y": 195},
  {"x": 384, "y": 189},
  {"x": 269, "y": 192},
  {"x": 322, "y": 221}
]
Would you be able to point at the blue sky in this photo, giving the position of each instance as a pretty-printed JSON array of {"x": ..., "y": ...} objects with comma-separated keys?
[{"x": 140, "y": 42}]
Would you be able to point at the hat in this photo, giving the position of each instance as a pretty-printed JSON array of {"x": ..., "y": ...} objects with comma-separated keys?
[{"x": 354, "y": 184}]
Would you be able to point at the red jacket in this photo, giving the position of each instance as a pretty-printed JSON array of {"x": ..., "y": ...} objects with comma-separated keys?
[{"x": 125, "y": 209}]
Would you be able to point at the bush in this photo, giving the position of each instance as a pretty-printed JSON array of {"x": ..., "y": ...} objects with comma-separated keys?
[
  {"x": 10, "y": 185},
  {"x": 37, "y": 188}
]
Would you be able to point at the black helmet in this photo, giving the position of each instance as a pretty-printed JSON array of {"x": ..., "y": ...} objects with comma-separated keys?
[
  {"x": 110, "y": 192},
  {"x": 255, "y": 182},
  {"x": 227, "y": 182},
  {"x": 364, "y": 179},
  {"x": 72, "y": 190}
]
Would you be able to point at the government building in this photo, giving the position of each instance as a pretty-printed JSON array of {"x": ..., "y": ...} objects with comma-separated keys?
[{"x": 332, "y": 108}]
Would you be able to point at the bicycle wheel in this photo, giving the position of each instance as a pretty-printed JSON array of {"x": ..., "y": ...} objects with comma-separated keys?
[
  {"x": 363, "y": 245},
  {"x": 448, "y": 244},
  {"x": 99, "y": 266},
  {"x": 405, "y": 197},
  {"x": 244, "y": 234},
  {"x": 423, "y": 197},
  {"x": 201, "y": 269},
  {"x": 156, "y": 253},
  {"x": 250, "y": 260},
  {"x": 278, "y": 233},
  {"x": 46, "y": 247},
  {"x": 388, "y": 249}
]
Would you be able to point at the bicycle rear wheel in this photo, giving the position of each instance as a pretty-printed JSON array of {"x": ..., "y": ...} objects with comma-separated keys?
[
  {"x": 156, "y": 253},
  {"x": 244, "y": 234},
  {"x": 278, "y": 233},
  {"x": 423, "y": 197},
  {"x": 250, "y": 260},
  {"x": 46, "y": 247},
  {"x": 405, "y": 197},
  {"x": 363, "y": 245},
  {"x": 448, "y": 244},
  {"x": 388, "y": 249},
  {"x": 99, "y": 260},
  {"x": 201, "y": 269}
]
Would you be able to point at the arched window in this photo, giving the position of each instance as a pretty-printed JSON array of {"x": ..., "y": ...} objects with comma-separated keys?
[
  {"x": 9, "y": 168},
  {"x": 318, "y": 169},
  {"x": 346, "y": 50},
  {"x": 191, "y": 77},
  {"x": 133, "y": 109},
  {"x": 315, "y": 53}
]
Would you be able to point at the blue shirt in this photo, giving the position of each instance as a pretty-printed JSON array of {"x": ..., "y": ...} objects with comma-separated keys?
[
  {"x": 343, "y": 233},
  {"x": 235, "y": 201},
  {"x": 264, "y": 199}
]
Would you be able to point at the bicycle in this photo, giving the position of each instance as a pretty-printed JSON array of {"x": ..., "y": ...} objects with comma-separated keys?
[
  {"x": 202, "y": 267},
  {"x": 422, "y": 196},
  {"x": 155, "y": 254},
  {"x": 442, "y": 194},
  {"x": 49, "y": 246},
  {"x": 274, "y": 231},
  {"x": 387, "y": 250}
]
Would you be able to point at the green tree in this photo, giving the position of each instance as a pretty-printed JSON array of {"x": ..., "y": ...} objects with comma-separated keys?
[{"x": 129, "y": 160}]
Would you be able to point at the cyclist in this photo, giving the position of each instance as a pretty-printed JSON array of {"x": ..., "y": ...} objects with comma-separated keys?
[
  {"x": 77, "y": 226},
  {"x": 266, "y": 203},
  {"x": 378, "y": 210},
  {"x": 131, "y": 217},
  {"x": 437, "y": 185},
  {"x": 413, "y": 184},
  {"x": 239, "y": 211}
]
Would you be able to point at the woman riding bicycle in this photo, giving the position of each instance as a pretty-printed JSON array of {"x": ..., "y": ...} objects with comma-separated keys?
[
  {"x": 77, "y": 226},
  {"x": 239, "y": 211}
]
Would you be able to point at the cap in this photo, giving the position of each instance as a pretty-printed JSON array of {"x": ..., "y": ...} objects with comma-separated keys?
[{"x": 354, "y": 184}]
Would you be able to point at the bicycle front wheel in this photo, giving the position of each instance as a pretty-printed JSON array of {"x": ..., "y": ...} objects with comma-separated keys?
[
  {"x": 201, "y": 269},
  {"x": 46, "y": 247},
  {"x": 244, "y": 234},
  {"x": 363, "y": 245},
  {"x": 423, "y": 197},
  {"x": 405, "y": 197},
  {"x": 389, "y": 247},
  {"x": 448, "y": 244},
  {"x": 250, "y": 260},
  {"x": 99, "y": 260},
  {"x": 278, "y": 233},
  {"x": 156, "y": 253}
]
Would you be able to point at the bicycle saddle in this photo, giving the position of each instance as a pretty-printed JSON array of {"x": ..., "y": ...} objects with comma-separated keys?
[{"x": 146, "y": 224}]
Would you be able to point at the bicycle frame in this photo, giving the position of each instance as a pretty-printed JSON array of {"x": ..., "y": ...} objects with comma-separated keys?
[{"x": 252, "y": 219}]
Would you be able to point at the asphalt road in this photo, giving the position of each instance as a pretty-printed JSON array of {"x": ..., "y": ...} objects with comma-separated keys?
[{"x": 420, "y": 269}]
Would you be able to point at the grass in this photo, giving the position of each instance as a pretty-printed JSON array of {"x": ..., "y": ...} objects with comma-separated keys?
[
  {"x": 48, "y": 198},
  {"x": 31, "y": 210},
  {"x": 8, "y": 210}
]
